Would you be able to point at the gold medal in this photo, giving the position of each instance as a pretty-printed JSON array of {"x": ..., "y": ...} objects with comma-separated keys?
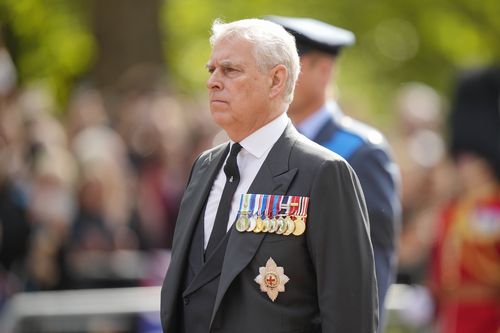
[
  {"x": 290, "y": 226},
  {"x": 259, "y": 225},
  {"x": 252, "y": 223},
  {"x": 300, "y": 226},
  {"x": 266, "y": 225}
]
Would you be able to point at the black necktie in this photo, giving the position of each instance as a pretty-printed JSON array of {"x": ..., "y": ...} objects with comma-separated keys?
[{"x": 222, "y": 216}]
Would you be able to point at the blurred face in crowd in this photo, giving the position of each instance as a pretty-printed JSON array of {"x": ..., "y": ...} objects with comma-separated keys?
[
  {"x": 475, "y": 173},
  {"x": 242, "y": 96}
]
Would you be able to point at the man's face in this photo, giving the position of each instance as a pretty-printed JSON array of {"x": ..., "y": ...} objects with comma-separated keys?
[
  {"x": 306, "y": 88},
  {"x": 315, "y": 74},
  {"x": 238, "y": 91}
]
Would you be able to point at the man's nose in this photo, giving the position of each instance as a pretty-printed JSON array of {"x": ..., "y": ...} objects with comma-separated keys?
[{"x": 214, "y": 81}]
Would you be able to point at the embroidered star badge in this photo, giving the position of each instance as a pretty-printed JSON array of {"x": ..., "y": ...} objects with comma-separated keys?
[{"x": 271, "y": 279}]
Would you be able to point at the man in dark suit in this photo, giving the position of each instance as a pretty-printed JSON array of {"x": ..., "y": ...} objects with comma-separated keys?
[
  {"x": 364, "y": 147},
  {"x": 272, "y": 233}
]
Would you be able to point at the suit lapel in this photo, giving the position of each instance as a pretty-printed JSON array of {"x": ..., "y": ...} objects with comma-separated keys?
[
  {"x": 274, "y": 177},
  {"x": 210, "y": 270},
  {"x": 196, "y": 195},
  {"x": 194, "y": 199}
]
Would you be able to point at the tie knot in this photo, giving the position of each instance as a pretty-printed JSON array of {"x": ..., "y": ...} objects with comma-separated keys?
[
  {"x": 235, "y": 149},
  {"x": 231, "y": 167}
]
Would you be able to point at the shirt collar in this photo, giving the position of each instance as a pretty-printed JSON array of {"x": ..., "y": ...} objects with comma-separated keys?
[
  {"x": 311, "y": 126},
  {"x": 260, "y": 141}
]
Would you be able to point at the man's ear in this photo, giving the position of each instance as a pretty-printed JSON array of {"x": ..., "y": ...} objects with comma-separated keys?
[{"x": 278, "y": 75}]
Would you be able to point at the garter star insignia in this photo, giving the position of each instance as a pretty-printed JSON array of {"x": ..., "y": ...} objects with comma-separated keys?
[{"x": 271, "y": 279}]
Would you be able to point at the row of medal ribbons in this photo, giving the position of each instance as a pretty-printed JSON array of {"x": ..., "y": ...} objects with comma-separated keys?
[{"x": 272, "y": 213}]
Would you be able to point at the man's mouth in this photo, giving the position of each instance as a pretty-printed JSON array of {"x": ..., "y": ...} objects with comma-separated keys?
[{"x": 217, "y": 101}]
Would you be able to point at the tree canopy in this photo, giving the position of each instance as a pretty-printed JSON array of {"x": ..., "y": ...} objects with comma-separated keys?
[{"x": 397, "y": 41}]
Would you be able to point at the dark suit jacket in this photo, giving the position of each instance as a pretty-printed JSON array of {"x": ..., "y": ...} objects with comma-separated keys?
[{"x": 332, "y": 287}]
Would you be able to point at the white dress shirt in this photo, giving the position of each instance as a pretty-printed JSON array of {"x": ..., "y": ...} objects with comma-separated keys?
[{"x": 255, "y": 149}]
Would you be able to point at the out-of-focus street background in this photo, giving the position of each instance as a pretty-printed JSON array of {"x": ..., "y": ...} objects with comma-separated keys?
[{"x": 103, "y": 109}]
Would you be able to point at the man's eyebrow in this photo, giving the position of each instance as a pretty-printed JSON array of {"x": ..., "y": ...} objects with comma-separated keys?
[
  {"x": 223, "y": 63},
  {"x": 227, "y": 63}
]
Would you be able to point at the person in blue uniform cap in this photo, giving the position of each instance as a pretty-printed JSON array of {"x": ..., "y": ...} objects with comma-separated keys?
[{"x": 365, "y": 148}]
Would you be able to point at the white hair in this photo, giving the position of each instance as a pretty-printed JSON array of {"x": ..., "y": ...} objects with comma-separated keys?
[{"x": 272, "y": 46}]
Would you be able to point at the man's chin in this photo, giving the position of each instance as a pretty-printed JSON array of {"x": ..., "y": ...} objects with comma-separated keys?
[{"x": 221, "y": 118}]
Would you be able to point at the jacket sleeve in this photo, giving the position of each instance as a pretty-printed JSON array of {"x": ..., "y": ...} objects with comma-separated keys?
[
  {"x": 341, "y": 251},
  {"x": 380, "y": 178}
]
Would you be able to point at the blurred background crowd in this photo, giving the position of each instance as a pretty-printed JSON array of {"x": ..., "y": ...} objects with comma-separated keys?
[
  {"x": 78, "y": 194},
  {"x": 102, "y": 112}
]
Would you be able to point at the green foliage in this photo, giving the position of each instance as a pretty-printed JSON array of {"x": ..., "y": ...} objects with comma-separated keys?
[
  {"x": 397, "y": 42},
  {"x": 50, "y": 41}
]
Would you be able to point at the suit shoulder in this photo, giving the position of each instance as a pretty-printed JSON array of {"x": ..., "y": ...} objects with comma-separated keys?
[
  {"x": 314, "y": 160},
  {"x": 208, "y": 155},
  {"x": 212, "y": 150}
]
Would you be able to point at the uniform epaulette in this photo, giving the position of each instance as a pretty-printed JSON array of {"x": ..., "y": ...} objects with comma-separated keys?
[
  {"x": 365, "y": 132},
  {"x": 351, "y": 135}
]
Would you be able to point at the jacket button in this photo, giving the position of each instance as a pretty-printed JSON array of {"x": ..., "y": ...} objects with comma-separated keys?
[{"x": 186, "y": 300}]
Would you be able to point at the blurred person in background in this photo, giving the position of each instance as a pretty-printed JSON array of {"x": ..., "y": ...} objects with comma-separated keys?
[
  {"x": 40, "y": 130},
  {"x": 365, "y": 148},
  {"x": 85, "y": 109},
  {"x": 156, "y": 133},
  {"x": 45, "y": 174},
  {"x": 465, "y": 269},
  {"x": 14, "y": 224},
  {"x": 51, "y": 211},
  {"x": 427, "y": 174},
  {"x": 106, "y": 219}
]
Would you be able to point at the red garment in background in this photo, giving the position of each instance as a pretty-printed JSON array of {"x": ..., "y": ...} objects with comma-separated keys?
[{"x": 466, "y": 266}]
